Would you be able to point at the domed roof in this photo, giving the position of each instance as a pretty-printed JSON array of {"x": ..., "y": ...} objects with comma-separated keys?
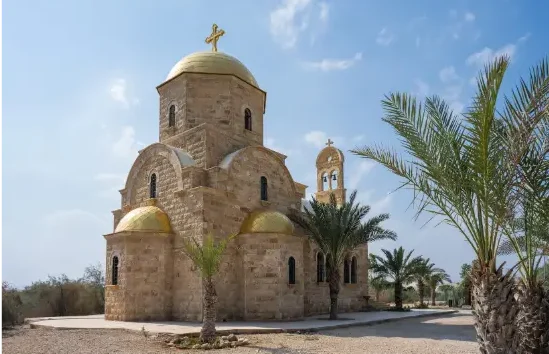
[
  {"x": 145, "y": 219},
  {"x": 212, "y": 63},
  {"x": 267, "y": 221}
]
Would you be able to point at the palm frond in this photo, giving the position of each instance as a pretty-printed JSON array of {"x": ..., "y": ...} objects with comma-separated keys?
[{"x": 208, "y": 255}]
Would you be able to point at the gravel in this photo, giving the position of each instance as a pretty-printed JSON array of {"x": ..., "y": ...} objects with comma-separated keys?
[{"x": 450, "y": 334}]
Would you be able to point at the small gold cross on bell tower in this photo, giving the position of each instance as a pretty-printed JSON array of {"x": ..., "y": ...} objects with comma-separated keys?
[{"x": 214, "y": 37}]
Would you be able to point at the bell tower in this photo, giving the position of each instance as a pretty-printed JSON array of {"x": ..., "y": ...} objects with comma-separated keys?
[{"x": 329, "y": 174}]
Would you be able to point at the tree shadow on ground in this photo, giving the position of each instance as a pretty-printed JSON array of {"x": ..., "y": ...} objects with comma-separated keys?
[{"x": 457, "y": 327}]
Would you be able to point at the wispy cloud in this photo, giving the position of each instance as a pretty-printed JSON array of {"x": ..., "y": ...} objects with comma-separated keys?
[
  {"x": 324, "y": 11},
  {"x": 384, "y": 37},
  {"x": 333, "y": 64},
  {"x": 125, "y": 146},
  {"x": 361, "y": 170},
  {"x": 119, "y": 93},
  {"x": 317, "y": 138},
  {"x": 469, "y": 17},
  {"x": 448, "y": 74},
  {"x": 422, "y": 88},
  {"x": 487, "y": 55}
]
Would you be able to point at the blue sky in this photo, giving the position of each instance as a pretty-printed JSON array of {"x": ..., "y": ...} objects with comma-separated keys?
[{"x": 80, "y": 100}]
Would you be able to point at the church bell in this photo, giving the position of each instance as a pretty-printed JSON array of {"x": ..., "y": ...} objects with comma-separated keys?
[{"x": 324, "y": 179}]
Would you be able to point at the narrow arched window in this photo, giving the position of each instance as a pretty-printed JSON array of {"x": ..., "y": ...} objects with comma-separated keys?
[
  {"x": 325, "y": 182},
  {"x": 291, "y": 270},
  {"x": 114, "y": 270},
  {"x": 152, "y": 186},
  {"x": 353, "y": 270},
  {"x": 347, "y": 271},
  {"x": 264, "y": 194},
  {"x": 319, "y": 267},
  {"x": 171, "y": 116},
  {"x": 334, "y": 180},
  {"x": 247, "y": 119}
]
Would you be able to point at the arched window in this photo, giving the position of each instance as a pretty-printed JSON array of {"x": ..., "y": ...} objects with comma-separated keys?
[
  {"x": 171, "y": 116},
  {"x": 114, "y": 270},
  {"x": 247, "y": 119},
  {"x": 353, "y": 270},
  {"x": 320, "y": 267},
  {"x": 347, "y": 271},
  {"x": 291, "y": 270},
  {"x": 264, "y": 195},
  {"x": 325, "y": 182},
  {"x": 334, "y": 179},
  {"x": 152, "y": 186}
]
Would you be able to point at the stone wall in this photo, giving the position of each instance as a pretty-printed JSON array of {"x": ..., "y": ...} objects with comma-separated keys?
[
  {"x": 266, "y": 293},
  {"x": 144, "y": 288}
]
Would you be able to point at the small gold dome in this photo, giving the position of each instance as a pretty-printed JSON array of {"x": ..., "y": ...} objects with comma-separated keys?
[
  {"x": 267, "y": 221},
  {"x": 212, "y": 63},
  {"x": 145, "y": 219}
]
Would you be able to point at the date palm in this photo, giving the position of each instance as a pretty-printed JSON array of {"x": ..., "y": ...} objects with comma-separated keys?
[
  {"x": 398, "y": 268},
  {"x": 464, "y": 171},
  {"x": 435, "y": 279},
  {"x": 424, "y": 271},
  {"x": 337, "y": 230},
  {"x": 207, "y": 257}
]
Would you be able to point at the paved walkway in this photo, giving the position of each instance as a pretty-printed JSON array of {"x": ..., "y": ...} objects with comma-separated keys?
[{"x": 313, "y": 323}]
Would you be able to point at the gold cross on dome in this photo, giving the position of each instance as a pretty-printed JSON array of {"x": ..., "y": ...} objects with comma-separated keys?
[
  {"x": 329, "y": 143},
  {"x": 214, "y": 37}
]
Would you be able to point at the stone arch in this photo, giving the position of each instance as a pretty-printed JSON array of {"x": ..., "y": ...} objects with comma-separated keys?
[
  {"x": 329, "y": 151},
  {"x": 227, "y": 162},
  {"x": 156, "y": 149}
]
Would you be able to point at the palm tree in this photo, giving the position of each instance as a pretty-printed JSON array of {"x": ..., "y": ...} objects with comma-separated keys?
[
  {"x": 464, "y": 170},
  {"x": 337, "y": 230},
  {"x": 379, "y": 285},
  {"x": 424, "y": 271},
  {"x": 207, "y": 258},
  {"x": 398, "y": 268},
  {"x": 433, "y": 280}
]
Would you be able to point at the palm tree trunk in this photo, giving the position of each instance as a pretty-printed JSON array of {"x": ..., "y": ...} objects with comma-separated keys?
[
  {"x": 398, "y": 296},
  {"x": 334, "y": 292},
  {"x": 494, "y": 310},
  {"x": 421, "y": 292},
  {"x": 532, "y": 334},
  {"x": 377, "y": 295},
  {"x": 433, "y": 296},
  {"x": 208, "y": 332}
]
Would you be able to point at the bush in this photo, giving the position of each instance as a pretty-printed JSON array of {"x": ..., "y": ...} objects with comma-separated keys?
[{"x": 12, "y": 306}]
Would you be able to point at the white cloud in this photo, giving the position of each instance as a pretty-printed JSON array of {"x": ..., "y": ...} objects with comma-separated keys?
[
  {"x": 384, "y": 37},
  {"x": 469, "y": 17},
  {"x": 363, "y": 168},
  {"x": 422, "y": 88},
  {"x": 448, "y": 74},
  {"x": 324, "y": 11},
  {"x": 334, "y": 64},
  {"x": 525, "y": 37},
  {"x": 487, "y": 55},
  {"x": 288, "y": 20},
  {"x": 316, "y": 138},
  {"x": 452, "y": 94},
  {"x": 118, "y": 92},
  {"x": 125, "y": 146}
]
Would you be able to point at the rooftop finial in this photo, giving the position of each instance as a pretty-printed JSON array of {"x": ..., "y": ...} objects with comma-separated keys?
[
  {"x": 329, "y": 143},
  {"x": 214, "y": 37}
]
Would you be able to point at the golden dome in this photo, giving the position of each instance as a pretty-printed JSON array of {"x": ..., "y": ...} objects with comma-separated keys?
[
  {"x": 145, "y": 219},
  {"x": 267, "y": 221},
  {"x": 212, "y": 63}
]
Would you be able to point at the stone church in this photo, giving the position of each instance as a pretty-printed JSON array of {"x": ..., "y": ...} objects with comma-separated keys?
[{"x": 211, "y": 173}]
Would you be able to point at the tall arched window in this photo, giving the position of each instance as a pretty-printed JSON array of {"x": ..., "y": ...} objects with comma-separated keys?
[
  {"x": 114, "y": 270},
  {"x": 334, "y": 179},
  {"x": 320, "y": 267},
  {"x": 325, "y": 182},
  {"x": 353, "y": 270},
  {"x": 171, "y": 116},
  {"x": 291, "y": 270},
  {"x": 247, "y": 119},
  {"x": 347, "y": 271},
  {"x": 264, "y": 194},
  {"x": 152, "y": 186}
]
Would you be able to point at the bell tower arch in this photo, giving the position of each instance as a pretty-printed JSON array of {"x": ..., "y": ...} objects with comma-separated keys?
[{"x": 330, "y": 175}]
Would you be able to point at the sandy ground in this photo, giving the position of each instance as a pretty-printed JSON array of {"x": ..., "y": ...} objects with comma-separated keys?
[{"x": 450, "y": 334}]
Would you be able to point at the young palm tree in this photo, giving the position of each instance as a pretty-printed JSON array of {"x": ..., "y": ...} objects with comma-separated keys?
[
  {"x": 337, "y": 230},
  {"x": 433, "y": 280},
  {"x": 464, "y": 169},
  {"x": 424, "y": 271},
  {"x": 207, "y": 258},
  {"x": 399, "y": 269},
  {"x": 378, "y": 285}
]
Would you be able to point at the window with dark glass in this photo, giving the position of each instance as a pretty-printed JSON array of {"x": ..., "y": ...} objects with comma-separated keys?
[
  {"x": 247, "y": 119},
  {"x": 319, "y": 267},
  {"x": 291, "y": 270},
  {"x": 264, "y": 195},
  {"x": 171, "y": 116},
  {"x": 152, "y": 186},
  {"x": 347, "y": 272},
  {"x": 353, "y": 270},
  {"x": 114, "y": 277}
]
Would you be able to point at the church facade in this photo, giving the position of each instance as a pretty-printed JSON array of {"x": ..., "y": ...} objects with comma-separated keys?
[{"x": 211, "y": 174}]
